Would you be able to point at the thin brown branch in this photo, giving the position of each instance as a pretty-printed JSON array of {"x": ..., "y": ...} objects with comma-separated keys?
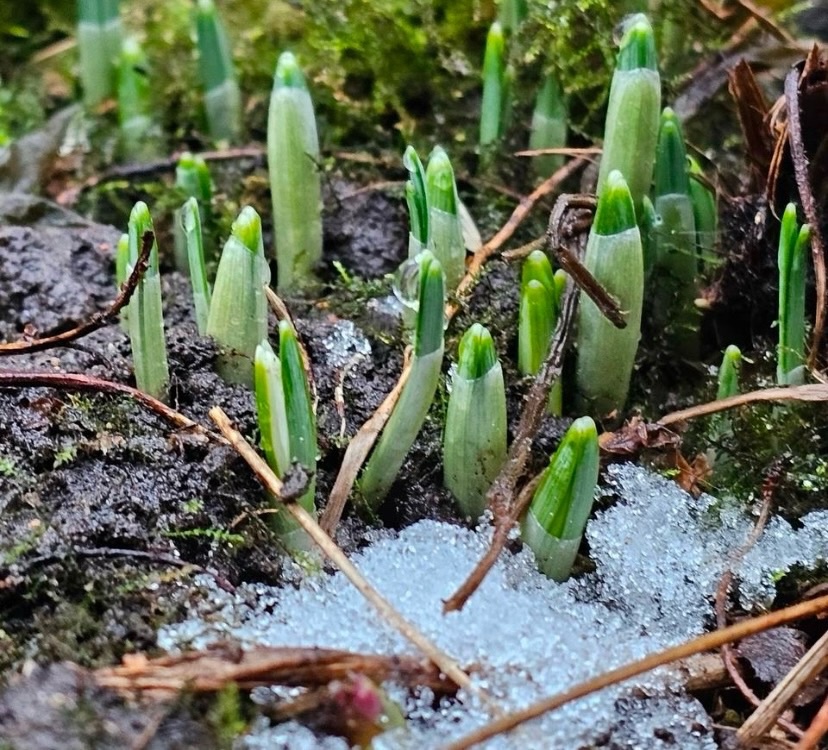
[
  {"x": 589, "y": 151},
  {"x": 212, "y": 670},
  {"x": 265, "y": 475},
  {"x": 813, "y": 392},
  {"x": 73, "y": 382},
  {"x": 696, "y": 646},
  {"x": 358, "y": 449},
  {"x": 818, "y": 729},
  {"x": 768, "y": 488},
  {"x": 501, "y": 495},
  {"x": 522, "y": 210},
  {"x": 98, "y": 320},
  {"x": 806, "y": 197}
]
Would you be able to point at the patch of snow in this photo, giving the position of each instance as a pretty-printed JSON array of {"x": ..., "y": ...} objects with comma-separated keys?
[{"x": 659, "y": 554}]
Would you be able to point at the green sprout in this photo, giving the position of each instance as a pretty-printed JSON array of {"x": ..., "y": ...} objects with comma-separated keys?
[
  {"x": 494, "y": 100},
  {"x": 555, "y": 520},
  {"x": 705, "y": 214},
  {"x": 418, "y": 393},
  {"x": 286, "y": 423},
  {"x": 134, "y": 105},
  {"x": 292, "y": 155},
  {"x": 121, "y": 265},
  {"x": 510, "y": 13},
  {"x": 537, "y": 317},
  {"x": 549, "y": 126},
  {"x": 606, "y": 354},
  {"x": 417, "y": 201},
  {"x": 474, "y": 441},
  {"x": 445, "y": 232},
  {"x": 222, "y": 97},
  {"x": 238, "y": 309},
  {"x": 674, "y": 242},
  {"x": 146, "y": 319},
  {"x": 192, "y": 178},
  {"x": 790, "y": 353},
  {"x": 631, "y": 128},
  {"x": 190, "y": 219},
  {"x": 729, "y": 372},
  {"x": 99, "y": 45}
]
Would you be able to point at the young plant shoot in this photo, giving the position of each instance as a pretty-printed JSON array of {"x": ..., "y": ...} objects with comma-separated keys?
[
  {"x": 287, "y": 424},
  {"x": 292, "y": 156},
  {"x": 445, "y": 233},
  {"x": 222, "y": 97},
  {"x": 192, "y": 178},
  {"x": 555, "y": 520},
  {"x": 121, "y": 265},
  {"x": 606, "y": 354},
  {"x": 494, "y": 102},
  {"x": 190, "y": 218},
  {"x": 238, "y": 309},
  {"x": 411, "y": 409},
  {"x": 417, "y": 201},
  {"x": 99, "y": 45},
  {"x": 474, "y": 441},
  {"x": 729, "y": 372},
  {"x": 676, "y": 260},
  {"x": 146, "y": 320},
  {"x": 537, "y": 318},
  {"x": 631, "y": 127},
  {"x": 511, "y": 13},
  {"x": 793, "y": 243},
  {"x": 705, "y": 214},
  {"x": 549, "y": 126},
  {"x": 134, "y": 104}
]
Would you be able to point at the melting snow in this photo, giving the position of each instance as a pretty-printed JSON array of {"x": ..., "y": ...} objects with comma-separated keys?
[{"x": 659, "y": 554}]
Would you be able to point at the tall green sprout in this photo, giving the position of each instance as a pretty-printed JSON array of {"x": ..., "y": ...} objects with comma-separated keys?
[
  {"x": 728, "y": 378},
  {"x": 190, "y": 218},
  {"x": 292, "y": 155},
  {"x": 99, "y": 45},
  {"x": 445, "y": 233},
  {"x": 287, "y": 424},
  {"x": 121, "y": 266},
  {"x": 631, "y": 128},
  {"x": 146, "y": 319},
  {"x": 510, "y": 13},
  {"x": 793, "y": 243},
  {"x": 222, "y": 97},
  {"x": 411, "y": 409},
  {"x": 238, "y": 309},
  {"x": 549, "y": 126},
  {"x": 494, "y": 101},
  {"x": 606, "y": 354},
  {"x": 555, "y": 520},
  {"x": 705, "y": 214},
  {"x": 192, "y": 178},
  {"x": 416, "y": 199},
  {"x": 474, "y": 441},
  {"x": 134, "y": 106},
  {"x": 675, "y": 265},
  {"x": 537, "y": 318}
]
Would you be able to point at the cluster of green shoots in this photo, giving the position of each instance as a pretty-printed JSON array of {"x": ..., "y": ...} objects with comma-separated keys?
[
  {"x": 655, "y": 219},
  {"x": 111, "y": 65}
]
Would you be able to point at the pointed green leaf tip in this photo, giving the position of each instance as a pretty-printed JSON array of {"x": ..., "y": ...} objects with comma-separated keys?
[
  {"x": 495, "y": 47},
  {"x": 637, "y": 49},
  {"x": 729, "y": 372},
  {"x": 440, "y": 182},
  {"x": 477, "y": 353},
  {"x": 537, "y": 267},
  {"x": 415, "y": 193},
  {"x": 671, "y": 157},
  {"x": 193, "y": 176},
  {"x": 288, "y": 73},
  {"x": 564, "y": 497},
  {"x": 615, "y": 212},
  {"x": 430, "y": 324},
  {"x": 247, "y": 228}
]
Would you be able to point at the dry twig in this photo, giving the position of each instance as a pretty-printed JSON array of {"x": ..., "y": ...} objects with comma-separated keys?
[
  {"x": 98, "y": 320},
  {"x": 627, "y": 671}
]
